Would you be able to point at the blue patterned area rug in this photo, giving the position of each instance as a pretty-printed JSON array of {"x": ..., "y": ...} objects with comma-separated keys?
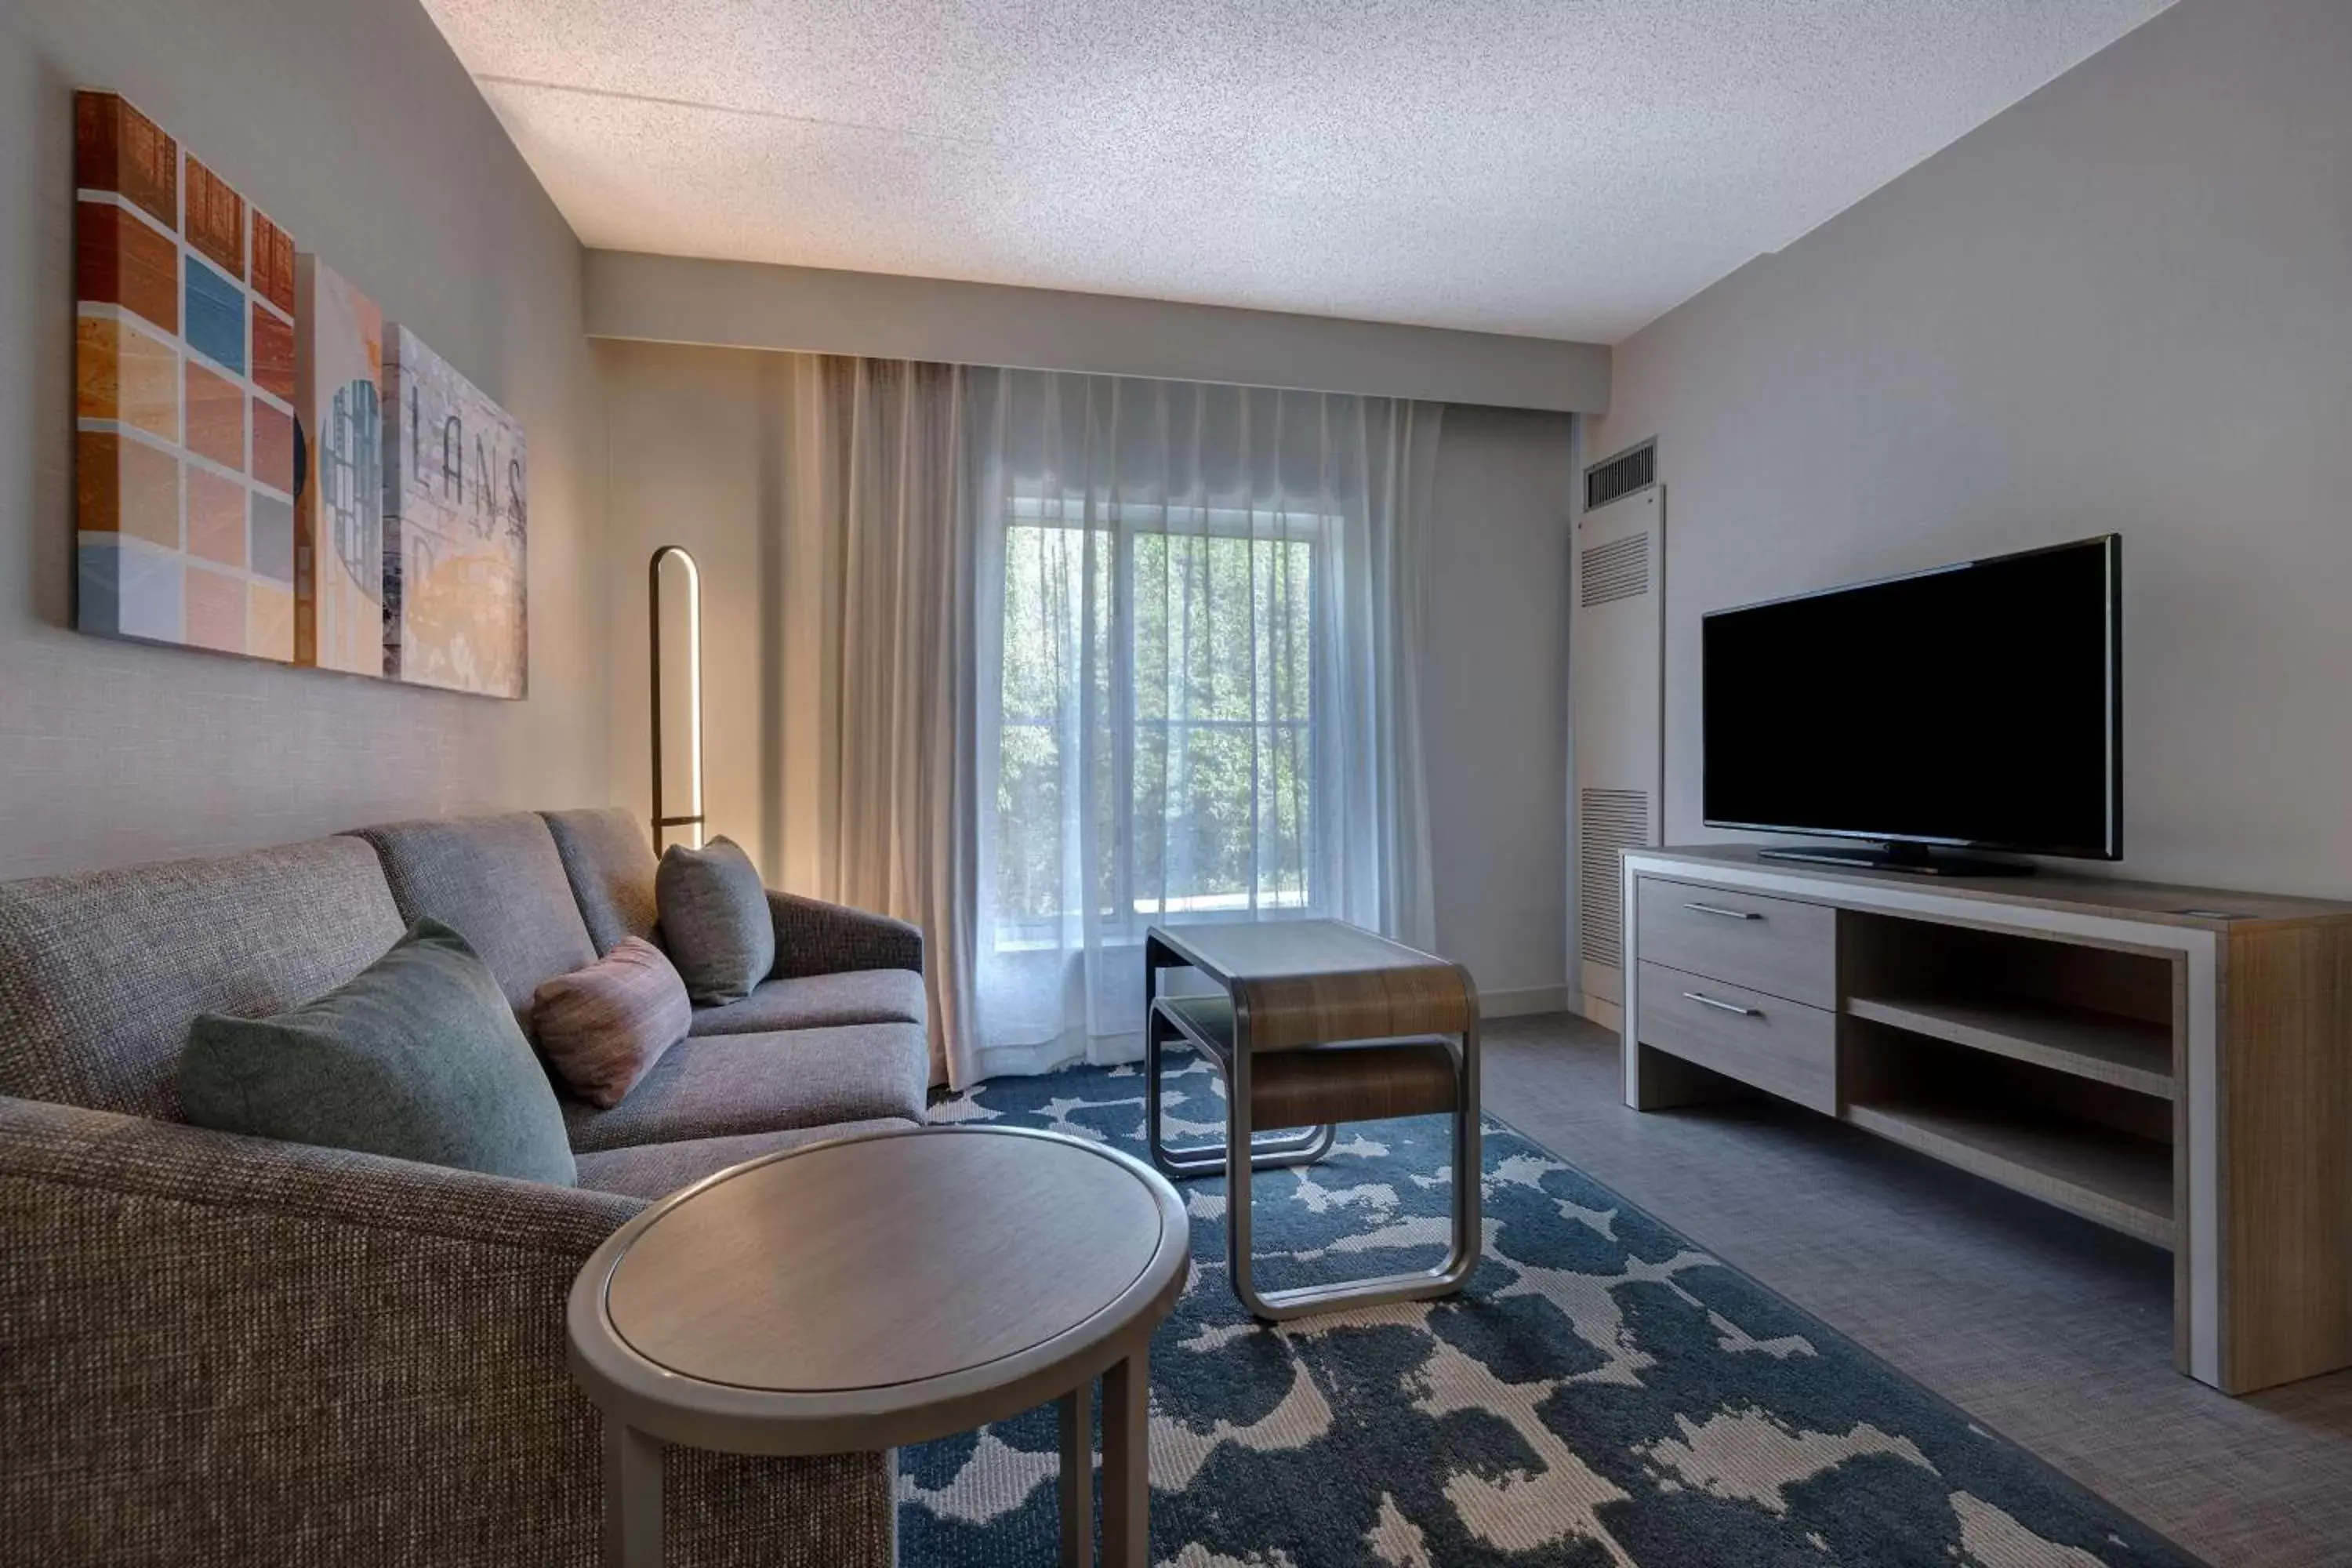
[{"x": 1604, "y": 1393}]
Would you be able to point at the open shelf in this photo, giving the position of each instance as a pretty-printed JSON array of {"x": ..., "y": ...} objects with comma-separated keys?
[
  {"x": 2130, "y": 1053},
  {"x": 2112, "y": 1177},
  {"x": 2037, "y": 1033}
]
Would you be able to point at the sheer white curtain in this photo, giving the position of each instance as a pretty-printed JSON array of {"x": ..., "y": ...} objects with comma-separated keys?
[{"x": 1197, "y": 630}]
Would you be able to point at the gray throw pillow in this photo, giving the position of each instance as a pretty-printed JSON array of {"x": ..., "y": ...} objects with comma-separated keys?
[
  {"x": 715, "y": 920},
  {"x": 418, "y": 1057},
  {"x": 602, "y": 1027}
]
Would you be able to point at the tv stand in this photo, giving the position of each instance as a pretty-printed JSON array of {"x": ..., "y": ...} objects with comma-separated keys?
[
  {"x": 1916, "y": 859},
  {"x": 2174, "y": 1063}
]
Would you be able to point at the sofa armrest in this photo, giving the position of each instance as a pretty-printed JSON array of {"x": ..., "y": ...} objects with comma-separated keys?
[
  {"x": 217, "y": 1350},
  {"x": 813, "y": 937}
]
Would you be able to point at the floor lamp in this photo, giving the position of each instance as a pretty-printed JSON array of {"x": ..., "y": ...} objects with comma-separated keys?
[{"x": 686, "y": 576}]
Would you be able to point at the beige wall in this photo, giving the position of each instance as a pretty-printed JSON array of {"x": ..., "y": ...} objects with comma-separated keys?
[
  {"x": 1494, "y": 701},
  {"x": 2125, "y": 304},
  {"x": 692, "y": 464},
  {"x": 687, "y": 431},
  {"x": 351, "y": 124}
]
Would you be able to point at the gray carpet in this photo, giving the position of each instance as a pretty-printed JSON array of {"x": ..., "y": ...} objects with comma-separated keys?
[{"x": 2050, "y": 1330}]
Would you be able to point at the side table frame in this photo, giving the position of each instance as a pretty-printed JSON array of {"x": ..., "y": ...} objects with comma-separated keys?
[
  {"x": 1241, "y": 1155},
  {"x": 646, "y": 1408}
]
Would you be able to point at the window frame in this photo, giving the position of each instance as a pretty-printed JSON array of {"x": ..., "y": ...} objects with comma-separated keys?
[{"x": 1123, "y": 523}]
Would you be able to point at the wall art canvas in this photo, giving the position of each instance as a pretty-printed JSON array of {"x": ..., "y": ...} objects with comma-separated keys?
[
  {"x": 339, "y": 558},
  {"x": 183, "y": 395},
  {"x": 455, "y": 528}
]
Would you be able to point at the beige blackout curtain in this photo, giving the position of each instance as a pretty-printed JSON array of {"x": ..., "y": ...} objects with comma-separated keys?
[{"x": 872, "y": 729}]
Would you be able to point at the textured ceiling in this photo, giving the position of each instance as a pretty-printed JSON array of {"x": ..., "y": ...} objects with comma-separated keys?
[{"x": 1560, "y": 168}]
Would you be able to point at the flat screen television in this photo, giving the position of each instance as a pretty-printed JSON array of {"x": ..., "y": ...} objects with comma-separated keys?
[{"x": 1977, "y": 705}]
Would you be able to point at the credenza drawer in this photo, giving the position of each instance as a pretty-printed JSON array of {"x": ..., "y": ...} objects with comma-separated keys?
[
  {"x": 1781, "y": 1047},
  {"x": 1773, "y": 945}
]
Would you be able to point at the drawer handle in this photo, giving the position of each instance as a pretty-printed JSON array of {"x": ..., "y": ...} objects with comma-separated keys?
[
  {"x": 1724, "y": 1007},
  {"x": 1727, "y": 914}
]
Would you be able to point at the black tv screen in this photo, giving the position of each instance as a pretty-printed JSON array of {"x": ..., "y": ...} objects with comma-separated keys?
[{"x": 1975, "y": 705}]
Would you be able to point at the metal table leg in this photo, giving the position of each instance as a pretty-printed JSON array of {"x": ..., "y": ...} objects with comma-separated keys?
[{"x": 1462, "y": 1255}]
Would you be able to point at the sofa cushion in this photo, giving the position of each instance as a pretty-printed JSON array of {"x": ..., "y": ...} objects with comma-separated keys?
[
  {"x": 416, "y": 1057},
  {"x": 101, "y": 972},
  {"x": 729, "y": 1084},
  {"x": 820, "y": 1001},
  {"x": 715, "y": 920},
  {"x": 657, "y": 1170},
  {"x": 497, "y": 882},
  {"x": 611, "y": 866},
  {"x": 602, "y": 1027}
]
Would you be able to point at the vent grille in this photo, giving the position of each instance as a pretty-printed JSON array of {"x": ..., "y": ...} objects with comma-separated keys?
[
  {"x": 1635, "y": 468},
  {"x": 1607, "y": 820},
  {"x": 1618, "y": 570}
]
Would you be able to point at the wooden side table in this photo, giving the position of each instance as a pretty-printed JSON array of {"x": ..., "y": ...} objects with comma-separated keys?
[
  {"x": 880, "y": 1290},
  {"x": 1321, "y": 1022}
]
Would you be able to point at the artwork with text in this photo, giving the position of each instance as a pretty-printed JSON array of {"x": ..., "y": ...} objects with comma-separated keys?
[{"x": 456, "y": 530}]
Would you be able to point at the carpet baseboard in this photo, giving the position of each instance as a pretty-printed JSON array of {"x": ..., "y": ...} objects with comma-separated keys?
[
  {"x": 1597, "y": 1009},
  {"x": 1523, "y": 1001}
]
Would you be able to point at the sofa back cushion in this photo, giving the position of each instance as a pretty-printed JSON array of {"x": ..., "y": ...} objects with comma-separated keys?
[
  {"x": 417, "y": 1057},
  {"x": 611, "y": 865},
  {"x": 497, "y": 882},
  {"x": 101, "y": 972}
]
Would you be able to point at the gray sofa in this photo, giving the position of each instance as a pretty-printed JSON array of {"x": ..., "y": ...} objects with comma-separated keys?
[{"x": 217, "y": 1350}]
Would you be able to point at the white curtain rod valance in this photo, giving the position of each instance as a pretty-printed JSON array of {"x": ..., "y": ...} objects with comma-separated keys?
[{"x": 748, "y": 305}]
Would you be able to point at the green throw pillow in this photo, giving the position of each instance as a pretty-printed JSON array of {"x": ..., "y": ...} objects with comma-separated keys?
[{"x": 419, "y": 1058}]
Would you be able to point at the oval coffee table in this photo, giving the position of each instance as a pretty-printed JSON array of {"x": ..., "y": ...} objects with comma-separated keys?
[{"x": 868, "y": 1292}]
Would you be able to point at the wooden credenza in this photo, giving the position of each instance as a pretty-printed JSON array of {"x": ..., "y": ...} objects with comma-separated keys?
[{"x": 2172, "y": 1062}]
